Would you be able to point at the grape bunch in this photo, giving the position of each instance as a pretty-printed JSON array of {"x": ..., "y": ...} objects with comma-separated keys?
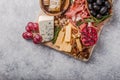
[
  {"x": 99, "y": 8},
  {"x": 32, "y": 30}
]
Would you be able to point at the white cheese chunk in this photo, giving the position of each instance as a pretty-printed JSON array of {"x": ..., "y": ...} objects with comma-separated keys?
[
  {"x": 68, "y": 33},
  {"x": 46, "y": 27}
]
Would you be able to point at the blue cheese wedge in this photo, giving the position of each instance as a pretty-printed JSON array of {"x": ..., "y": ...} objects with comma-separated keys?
[{"x": 46, "y": 27}]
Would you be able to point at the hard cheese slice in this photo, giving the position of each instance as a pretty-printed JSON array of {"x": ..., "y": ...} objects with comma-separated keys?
[
  {"x": 79, "y": 45},
  {"x": 46, "y": 27},
  {"x": 60, "y": 38},
  {"x": 68, "y": 33}
]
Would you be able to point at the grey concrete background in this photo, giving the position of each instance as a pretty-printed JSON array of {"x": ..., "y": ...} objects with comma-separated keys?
[{"x": 22, "y": 60}]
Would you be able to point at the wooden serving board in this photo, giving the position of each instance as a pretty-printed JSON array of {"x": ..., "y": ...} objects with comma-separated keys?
[{"x": 100, "y": 27}]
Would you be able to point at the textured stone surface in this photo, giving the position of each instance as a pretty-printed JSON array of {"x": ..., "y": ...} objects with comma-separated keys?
[{"x": 22, "y": 60}]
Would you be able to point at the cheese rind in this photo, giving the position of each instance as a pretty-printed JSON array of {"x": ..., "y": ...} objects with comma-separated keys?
[{"x": 46, "y": 27}]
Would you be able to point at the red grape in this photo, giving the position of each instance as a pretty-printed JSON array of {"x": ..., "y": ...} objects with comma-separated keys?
[
  {"x": 29, "y": 26},
  {"x": 24, "y": 35},
  {"x": 28, "y": 29},
  {"x": 37, "y": 39},
  {"x": 32, "y": 27},
  {"x": 27, "y": 35},
  {"x": 36, "y": 27}
]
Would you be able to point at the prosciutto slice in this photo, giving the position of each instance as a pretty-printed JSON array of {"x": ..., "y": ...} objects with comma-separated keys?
[{"x": 78, "y": 8}]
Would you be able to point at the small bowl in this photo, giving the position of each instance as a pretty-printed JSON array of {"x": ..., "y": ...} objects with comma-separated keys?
[
  {"x": 111, "y": 3},
  {"x": 65, "y": 7}
]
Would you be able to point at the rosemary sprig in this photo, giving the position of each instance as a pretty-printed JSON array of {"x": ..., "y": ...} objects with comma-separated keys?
[
  {"x": 57, "y": 30},
  {"x": 93, "y": 19},
  {"x": 78, "y": 23},
  {"x": 72, "y": 1},
  {"x": 97, "y": 21}
]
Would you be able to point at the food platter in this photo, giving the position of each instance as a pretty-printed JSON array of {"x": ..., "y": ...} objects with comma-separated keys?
[{"x": 72, "y": 28}]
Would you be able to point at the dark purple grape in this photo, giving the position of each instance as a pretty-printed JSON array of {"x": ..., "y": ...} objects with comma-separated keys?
[
  {"x": 90, "y": 6},
  {"x": 99, "y": 2},
  {"x": 107, "y": 13},
  {"x": 96, "y": 7},
  {"x": 107, "y": 4},
  {"x": 103, "y": 10},
  {"x": 93, "y": 13},
  {"x": 103, "y": 1},
  {"x": 90, "y": 1},
  {"x": 94, "y": 3},
  {"x": 99, "y": 16}
]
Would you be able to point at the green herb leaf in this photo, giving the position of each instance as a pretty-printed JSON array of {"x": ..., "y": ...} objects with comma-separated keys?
[
  {"x": 97, "y": 21},
  {"x": 78, "y": 23},
  {"x": 57, "y": 30},
  {"x": 89, "y": 20},
  {"x": 104, "y": 17},
  {"x": 72, "y": 1},
  {"x": 92, "y": 19}
]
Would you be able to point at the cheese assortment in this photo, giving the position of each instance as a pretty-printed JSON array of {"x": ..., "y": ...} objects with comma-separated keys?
[{"x": 75, "y": 31}]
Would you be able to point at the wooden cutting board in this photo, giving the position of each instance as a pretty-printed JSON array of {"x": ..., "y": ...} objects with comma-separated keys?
[{"x": 51, "y": 45}]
